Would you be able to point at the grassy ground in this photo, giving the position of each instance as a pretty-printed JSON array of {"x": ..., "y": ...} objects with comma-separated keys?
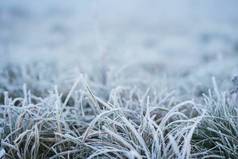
[{"x": 85, "y": 82}]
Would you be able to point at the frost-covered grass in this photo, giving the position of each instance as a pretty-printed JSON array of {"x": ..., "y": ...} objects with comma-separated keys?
[
  {"x": 128, "y": 123},
  {"x": 86, "y": 83}
]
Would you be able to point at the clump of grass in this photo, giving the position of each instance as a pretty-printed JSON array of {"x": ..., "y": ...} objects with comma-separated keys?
[
  {"x": 29, "y": 129},
  {"x": 217, "y": 134},
  {"x": 137, "y": 126},
  {"x": 13, "y": 76},
  {"x": 129, "y": 123}
]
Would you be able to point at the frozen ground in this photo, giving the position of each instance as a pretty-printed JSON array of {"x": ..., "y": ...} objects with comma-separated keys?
[{"x": 139, "y": 55}]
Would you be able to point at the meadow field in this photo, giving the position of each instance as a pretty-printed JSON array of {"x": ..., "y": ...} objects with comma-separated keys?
[{"x": 118, "y": 79}]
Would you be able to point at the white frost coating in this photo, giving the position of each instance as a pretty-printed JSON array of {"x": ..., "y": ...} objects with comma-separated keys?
[{"x": 156, "y": 79}]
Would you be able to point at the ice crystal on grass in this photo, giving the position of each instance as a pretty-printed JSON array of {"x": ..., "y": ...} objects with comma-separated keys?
[{"x": 118, "y": 79}]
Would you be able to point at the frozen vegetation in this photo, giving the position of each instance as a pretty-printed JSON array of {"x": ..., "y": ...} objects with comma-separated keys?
[{"x": 136, "y": 79}]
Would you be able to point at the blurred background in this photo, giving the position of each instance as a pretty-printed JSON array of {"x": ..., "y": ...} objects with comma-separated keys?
[{"x": 115, "y": 42}]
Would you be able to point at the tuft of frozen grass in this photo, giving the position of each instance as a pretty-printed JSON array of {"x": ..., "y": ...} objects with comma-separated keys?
[
  {"x": 217, "y": 133},
  {"x": 50, "y": 128},
  {"x": 129, "y": 124}
]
